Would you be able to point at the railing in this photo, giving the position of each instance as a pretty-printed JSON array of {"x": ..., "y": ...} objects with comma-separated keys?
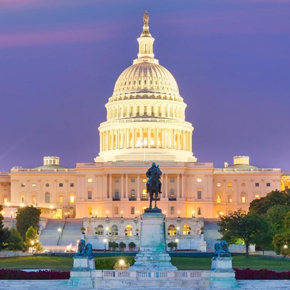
[
  {"x": 228, "y": 170},
  {"x": 172, "y": 198},
  {"x": 117, "y": 274}
]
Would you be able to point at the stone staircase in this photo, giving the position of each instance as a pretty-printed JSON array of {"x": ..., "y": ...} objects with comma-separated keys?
[
  {"x": 50, "y": 235},
  {"x": 71, "y": 232}
]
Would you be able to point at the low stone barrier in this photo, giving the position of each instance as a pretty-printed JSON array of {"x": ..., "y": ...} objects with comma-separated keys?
[{"x": 63, "y": 285}]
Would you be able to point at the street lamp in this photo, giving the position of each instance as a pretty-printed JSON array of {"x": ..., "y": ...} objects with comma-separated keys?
[
  {"x": 32, "y": 245},
  {"x": 105, "y": 242},
  {"x": 193, "y": 214},
  {"x": 59, "y": 230},
  {"x": 176, "y": 241},
  {"x": 178, "y": 230},
  {"x": 121, "y": 263}
]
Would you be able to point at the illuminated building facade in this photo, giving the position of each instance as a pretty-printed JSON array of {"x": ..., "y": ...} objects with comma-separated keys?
[{"x": 145, "y": 122}]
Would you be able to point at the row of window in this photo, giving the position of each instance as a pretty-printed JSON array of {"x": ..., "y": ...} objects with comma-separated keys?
[
  {"x": 230, "y": 198},
  {"x": 114, "y": 230},
  {"x": 230, "y": 184},
  {"x": 133, "y": 210},
  {"x": 47, "y": 184},
  {"x": 144, "y": 180},
  {"x": 47, "y": 198}
]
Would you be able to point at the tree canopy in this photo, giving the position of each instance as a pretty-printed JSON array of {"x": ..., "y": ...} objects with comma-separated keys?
[
  {"x": 15, "y": 241},
  {"x": 27, "y": 217},
  {"x": 240, "y": 227},
  {"x": 262, "y": 205}
]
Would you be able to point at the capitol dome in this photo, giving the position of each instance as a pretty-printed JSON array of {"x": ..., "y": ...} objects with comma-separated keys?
[
  {"x": 145, "y": 114},
  {"x": 146, "y": 77}
]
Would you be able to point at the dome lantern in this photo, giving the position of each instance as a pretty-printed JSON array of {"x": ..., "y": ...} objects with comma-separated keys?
[{"x": 145, "y": 43}]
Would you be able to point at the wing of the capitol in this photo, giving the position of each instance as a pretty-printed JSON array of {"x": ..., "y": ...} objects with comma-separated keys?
[{"x": 146, "y": 122}]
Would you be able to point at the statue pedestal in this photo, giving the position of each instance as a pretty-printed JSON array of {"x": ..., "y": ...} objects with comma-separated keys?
[
  {"x": 152, "y": 254},
  {"x": 80, "y": 274},
  {"x": 222, "y": 274}
]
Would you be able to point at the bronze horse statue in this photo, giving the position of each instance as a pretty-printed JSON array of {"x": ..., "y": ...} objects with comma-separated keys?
[{"x": 153, "y": 187}]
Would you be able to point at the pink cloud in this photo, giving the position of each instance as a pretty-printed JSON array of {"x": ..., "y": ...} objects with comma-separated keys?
[
  {"x": 255, "y": 21},
  {"x": 72, "y": 34}
]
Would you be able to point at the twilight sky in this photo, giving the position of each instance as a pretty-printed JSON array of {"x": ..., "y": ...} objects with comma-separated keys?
[{"x": 59, "y": 60}]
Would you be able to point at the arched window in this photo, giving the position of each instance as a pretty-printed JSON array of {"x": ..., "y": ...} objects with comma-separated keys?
[
  {"x": 100, "y": 230},
  {"x": 171, "y": 230},
  {"x": 186, "y": 230},
  {"x": 243, "y": 197},
  {"x": 172, "y": 194},
  {"x": 116, "y": 195},
  {"x": 133, "y": 194},
  {"x": 144, "y": 195},
  {"x": 128, "y": 230},
  {"x": 47, "y": 197},
  {"x": 114, "y": 230}
]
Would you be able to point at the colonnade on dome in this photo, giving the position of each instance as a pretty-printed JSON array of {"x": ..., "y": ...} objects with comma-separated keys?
[
  {"x": 146, "y": 138},
  {"x": 146, "y": 108}
]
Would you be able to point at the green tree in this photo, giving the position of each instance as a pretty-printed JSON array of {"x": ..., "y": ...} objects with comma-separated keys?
[
  {"x": 27, "y": 217},
  {"x": 281, "y": 243},
  {"x": 262, "y": 205},
  {"x": 5, "y": 237},
  {"x": 276, "y": 218},
  {"x": 240, "y": 227},
  {"x": 32, "y": 239},
  {"x": 15, "y": 241}
]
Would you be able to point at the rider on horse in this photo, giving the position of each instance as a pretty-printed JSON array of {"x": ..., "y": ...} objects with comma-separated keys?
[{"x": 150, "y": 173}]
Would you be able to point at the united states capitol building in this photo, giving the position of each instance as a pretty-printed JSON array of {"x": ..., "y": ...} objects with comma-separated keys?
[{"x": 146, "y": 122}]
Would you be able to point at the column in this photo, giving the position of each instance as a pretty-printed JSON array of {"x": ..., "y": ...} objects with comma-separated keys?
[
  {"x": 172, "y": 138},
  {"x": 95, "y": 189},
  {"x": 138, "y": 186},
  {"x": 156, "y": 138},
  {"x": 149, "y": 138},
  {"x": 110, "y": 186},
  {"x": 122, "y": 185},
  {"x": 166, "y": 185},
  {"x": 163, "y": 138},
  {"x": 141, "y": 138},
  {"x": 183, "y": 180},
  {"x": 178, "y": 186},
  {"x": 105, "y": 187},
  {"x": 126, "y": 188},
  {"x": 127, "y": 138}
]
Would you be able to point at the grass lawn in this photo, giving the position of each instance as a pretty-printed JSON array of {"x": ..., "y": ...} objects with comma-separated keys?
[
  {"x": 182, "y": 263},
  {"x": 240, "y": 262}
]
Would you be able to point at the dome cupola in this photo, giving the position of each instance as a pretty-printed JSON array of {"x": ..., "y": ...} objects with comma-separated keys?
[{"x": 145, "y": 112}]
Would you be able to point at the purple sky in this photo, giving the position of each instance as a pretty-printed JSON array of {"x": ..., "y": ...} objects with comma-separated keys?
[{"x": 59, "y": 60}]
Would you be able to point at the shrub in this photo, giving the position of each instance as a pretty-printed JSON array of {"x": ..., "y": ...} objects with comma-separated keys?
[
  {"x": 6, "y": 274},
  {"x": 262, "y": 274},
  {"x": 172, "y": 245},
  {"x": 132, "y": 245},
  {"x": 108, "y": 263},
  {"x": 113, "y": 245},
  {"x": 122, "y": 245}
]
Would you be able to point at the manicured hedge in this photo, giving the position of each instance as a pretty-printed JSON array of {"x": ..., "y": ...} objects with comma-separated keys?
[
  {"x": 263, "y": 274},
  {"x": 6, "y": 274},
  {"x": 241, "y": 274}
]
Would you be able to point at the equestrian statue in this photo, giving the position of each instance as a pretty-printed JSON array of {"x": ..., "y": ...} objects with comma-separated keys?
[{"x": 153, "y": 186}]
